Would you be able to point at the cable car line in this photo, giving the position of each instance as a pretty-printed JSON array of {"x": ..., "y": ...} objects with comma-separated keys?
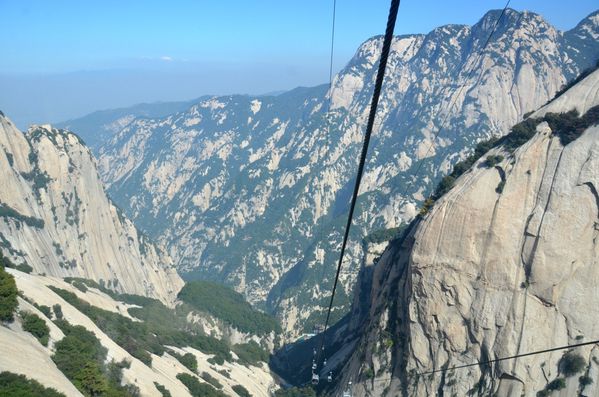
[
  {"x": 553, "y": 349},
  {"x": 373, "y": 107},
  {"x": 479, "y": 363},
  {"x": 371, "y": 118},
  {"x": 328, "y": 130}
]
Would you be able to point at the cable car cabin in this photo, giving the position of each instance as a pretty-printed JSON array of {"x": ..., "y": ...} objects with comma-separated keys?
[
  {"x": 347, "y": 392},
  {"x": 315, "y": 379}
]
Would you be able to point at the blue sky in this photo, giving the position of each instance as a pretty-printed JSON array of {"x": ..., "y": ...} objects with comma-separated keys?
[{"x": 61, "y": 59}]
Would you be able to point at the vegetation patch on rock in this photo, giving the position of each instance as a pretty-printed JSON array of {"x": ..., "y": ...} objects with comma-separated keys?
[
  {"x": 229, "y": 306},
  {"x": 8, "y": 296},
  {"x": 20, "y": 386},
  {"x": 198, "y": 389},
  {"x": 81, "y": 357},
  {"x": 36, "y": 326}
]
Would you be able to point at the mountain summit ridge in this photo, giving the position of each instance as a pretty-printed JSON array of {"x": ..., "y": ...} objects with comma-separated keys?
[{"x": 269, "y": 175}]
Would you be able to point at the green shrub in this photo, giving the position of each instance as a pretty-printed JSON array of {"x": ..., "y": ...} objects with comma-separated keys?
[
  {"x": 250, "y": 353},
  {"x": 36, "y": 326},
  {"x": 556, "y": 384},
  {"x": 585, "y": 380},
  {"x": 500, "y": 186},
  {"x": 446, "y": 184},
  {"x": 8, "y": 212},
  {"x": 79, "y": 285},
  {"x": 211, "y": 379},
  {"x": 492, "y": 160},
  {"x": 132, "y": 336},
  {"x": 8, "y": 296},
  {"x": 5, "y": 262},
  {"x": 137, "y": 300},
  {"x": 44, "y": 309},
  {"x": 224, "y": 373},
  {"x": 197, "y": 389},
  {"x": 571, "y": 363},
  {"x": 80, "y": 357},
  {"x": 380, "y": 236},
  {"x": 57, "y": 309},
  {"x": 20, "y": 386},
  {"x": 10, "y": 158},
  {"x": 25, "y": 268},
  {"x": 187, "y": 359},
  {"x": 83, "y": 284},
  {"x": 163, "y": 390},
  {"x": 426, "y": 206},
  {"x": 228, "y": 306},
  {"x": 568, "y": 126},
  {"x": 519, "y": 134},
  {"x": 77, "y": 348},
  {"x": 241, "y": 391},
  {"x": 160, "y": 327},
  {"x": 296, "y": 392},
  {"x": 114, "y": 370}
]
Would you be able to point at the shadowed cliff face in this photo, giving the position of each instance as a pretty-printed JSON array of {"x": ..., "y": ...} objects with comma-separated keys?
[
  {"x": 252, "y": 191},
  {"x": 491, "y": 273},
  {"x": 56, "y": 217}
]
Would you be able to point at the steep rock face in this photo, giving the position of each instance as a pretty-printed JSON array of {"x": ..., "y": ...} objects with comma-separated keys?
[
  {"x": 56, "y": 217},
  {"x": 271, "y": 176},
  {"x": 491, "y": 273}
]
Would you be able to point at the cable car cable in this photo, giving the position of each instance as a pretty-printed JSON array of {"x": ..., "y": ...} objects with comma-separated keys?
[
  {"x": 328, "y": 130},
  {"x": 478, "y": 363},
  {"x": 553, "y": 349},
  {"x": 373, "y": 107}
]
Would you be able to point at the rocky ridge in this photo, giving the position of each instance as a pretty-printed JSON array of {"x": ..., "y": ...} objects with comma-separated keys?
[
  {"x": 270, "y": 176},
  {"x": 489, "y": 273},
  {"x": 56, "y": 218}
]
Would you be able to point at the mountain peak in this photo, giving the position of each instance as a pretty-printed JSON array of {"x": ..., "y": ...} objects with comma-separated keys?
[
  {"x": 59, "y": 221},
  {"x": 250, "y": 195},
  {"x": 508, "y": 249}
]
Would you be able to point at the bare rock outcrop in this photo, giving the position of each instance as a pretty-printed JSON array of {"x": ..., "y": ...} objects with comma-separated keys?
[
  {"x": 55, "y": 217},
  {"x": 504, "y": 264}
]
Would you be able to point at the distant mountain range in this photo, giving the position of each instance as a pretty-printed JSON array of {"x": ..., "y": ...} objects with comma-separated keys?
[
  {"x": 253, "y": 191},
  {"x": 99, "y": 127}
]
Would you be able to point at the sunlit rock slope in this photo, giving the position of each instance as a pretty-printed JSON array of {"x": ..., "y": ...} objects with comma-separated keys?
[
  {"x": 252, "y": 191},
  {"x": 503, "y": 264},
  {"x": 55, "y": 217}
]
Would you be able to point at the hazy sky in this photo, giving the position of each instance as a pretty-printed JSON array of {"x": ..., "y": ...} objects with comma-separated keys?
[{"x": 62, "y": 59}]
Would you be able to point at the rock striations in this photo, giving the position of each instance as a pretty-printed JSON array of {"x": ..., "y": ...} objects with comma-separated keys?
[
  {"x": 55, "y": 217},
  {"x": 271, "y": 176},
  {"x": 491, "y": 273}
]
